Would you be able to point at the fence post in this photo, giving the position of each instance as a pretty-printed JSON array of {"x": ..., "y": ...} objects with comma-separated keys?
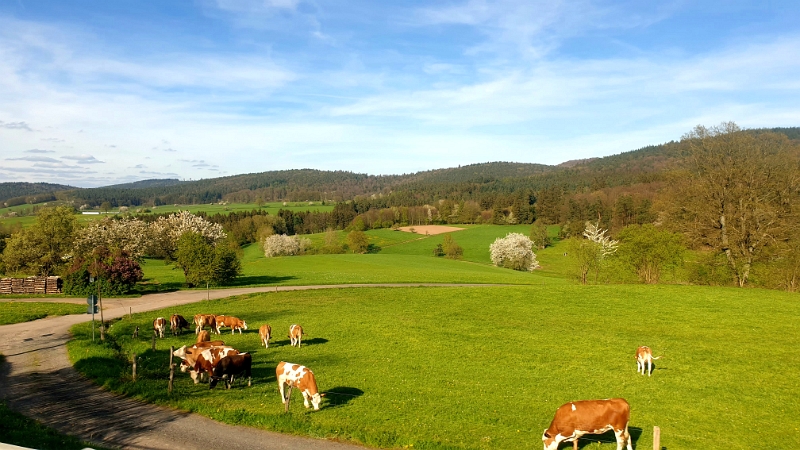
[
  {"x": 288, "y": 398},
  {"x": 171, "y": 368},
  {"x": 154, "y": 343},
  {"x": 656, "y": 438},
  {"x": 130, "y": 312},
  {"x": 134, "y": 367}
]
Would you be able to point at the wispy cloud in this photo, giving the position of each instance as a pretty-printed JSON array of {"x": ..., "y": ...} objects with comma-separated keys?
[
  {"x": 83, "y": 159},
  {"x": 37, "y": 150},
  {"x": 15, "y": 126},
  {"x": 34, "y": 159}
]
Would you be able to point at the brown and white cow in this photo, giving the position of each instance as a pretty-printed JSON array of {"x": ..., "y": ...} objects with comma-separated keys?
[
  {"x": 177, "y": 323},
  {"x": 574, "y": 419},
  {"x": 230, "y": 367},
  {"x": 184, "y": 351},
  {"x": 295, "y": 335},
  {"x": 205, "y": 320},
  {"x": 203, "y": 336},
  {"x": 158, "y": 327},
  {"x": 299, "y": 377},
  {"x": 203, "y": 360},
  {"x": 644, "y": 356},
  {"x": 265, "y": 332},
  {"x": 234, "y": 323}
]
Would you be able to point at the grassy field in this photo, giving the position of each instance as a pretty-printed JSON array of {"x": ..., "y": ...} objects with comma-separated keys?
[
  {"x": 474, "y": 368},
  {"x": 16, "y": 312}
]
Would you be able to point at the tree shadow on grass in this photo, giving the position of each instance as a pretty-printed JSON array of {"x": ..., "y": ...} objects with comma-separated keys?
[
  {"x": 340, "y": 396},
  {"x": 303, "y": 343},
  {"x": 256, "y": 280},
  {"x": 608, "y": 438}
]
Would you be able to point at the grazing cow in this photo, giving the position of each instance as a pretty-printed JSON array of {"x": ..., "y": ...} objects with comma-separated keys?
[
  {"x": 158, "y": 326},
  {"x": 203, "y": 360},
  {"x": 301, "y": 378},
  {"x": 177, "y": 323},
  {"x": 231, "y": 366},
  {"x": 574, "y": 419},
  {"x": 645, "y": 356},
  {"x": 295, "y": 335},
  {"x": 203, "y": 336},
  {"x": 266, "y": 334},
  {"x": 234, "y": 323},
  {"x": 184, "y": 351},
  {"x": 203, "y": 320}
]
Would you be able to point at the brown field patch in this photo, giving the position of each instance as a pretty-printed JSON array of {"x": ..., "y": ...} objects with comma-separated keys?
[{"x": 430, "y": 229}]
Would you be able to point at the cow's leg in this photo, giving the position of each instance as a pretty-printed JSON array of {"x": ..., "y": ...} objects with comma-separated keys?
[
  {"x": 575, "y": 444},
  {"x": 649, "y": 366},
  {"x": 283, "y": 397},
  {"x": 305, "y": 399}
]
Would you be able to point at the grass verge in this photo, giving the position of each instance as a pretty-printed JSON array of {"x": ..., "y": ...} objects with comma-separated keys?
[{"x": 16, "y": 312}]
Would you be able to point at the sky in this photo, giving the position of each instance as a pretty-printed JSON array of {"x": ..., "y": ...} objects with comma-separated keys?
[{"x": 94, "y": 93}]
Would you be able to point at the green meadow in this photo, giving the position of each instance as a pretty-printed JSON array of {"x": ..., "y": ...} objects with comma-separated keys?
[
  {"x": 16, "y": 312},
  {"x": 486, "y": 367}
]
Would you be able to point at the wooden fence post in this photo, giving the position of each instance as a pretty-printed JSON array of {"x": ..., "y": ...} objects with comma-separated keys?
[
  {"x": 656, "y": 438},
  {"x": 134, "y": 367},
  {"x": 288, "y": 398},
  {"x": 154, "y": 343},
  {"x": 130, "y": 312},
  {"x": 171, "y": 368}
]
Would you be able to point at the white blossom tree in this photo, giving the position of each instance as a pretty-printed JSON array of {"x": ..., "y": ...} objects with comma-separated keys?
[
  {"x": 133, "y": 236},
  {"x": 167, "y": 230},
  {"x": 515, "y": 251},
  {"x": 594, "y": 233},
  {"x": 283, "y": 245}
]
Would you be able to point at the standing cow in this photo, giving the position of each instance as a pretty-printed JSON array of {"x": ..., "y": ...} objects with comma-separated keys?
[
  {"x": 203, "y": 320},
  {"x": 265, "y": 333},
  {"x": 234, "y": 323},
  {"x": 295, "y": 335},
  {"x": 645, "y": 356},
  {"x": 299, "y": 377},
  {"x": 229, "y": 367},
  {"x": 574, "y": 419},
  {"x": 177, "y": 323},
  {"x": 158, "y": 327}
]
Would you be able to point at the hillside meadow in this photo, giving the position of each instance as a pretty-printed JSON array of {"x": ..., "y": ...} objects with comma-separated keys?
[{"x": 486, "y": 367}]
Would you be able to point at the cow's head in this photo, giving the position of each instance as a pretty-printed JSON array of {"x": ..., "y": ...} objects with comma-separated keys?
[
  {"x": 316, "y": 399},
  {"x": 181, "y": 352},
  {"x": 551, "y": 442},
  {"x": 244, "y": 324}
]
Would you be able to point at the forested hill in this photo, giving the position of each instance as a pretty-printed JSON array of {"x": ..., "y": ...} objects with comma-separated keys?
[
  {"x": 479, "y": 182},
  {"x": 12, "y": 194}
]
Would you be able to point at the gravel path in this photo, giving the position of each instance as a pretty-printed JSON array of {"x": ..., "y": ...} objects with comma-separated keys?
[{"x": 39, "y": 382}]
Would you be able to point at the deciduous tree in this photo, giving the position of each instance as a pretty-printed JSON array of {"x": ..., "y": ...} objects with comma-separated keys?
[{"x": 647, "y": 250}]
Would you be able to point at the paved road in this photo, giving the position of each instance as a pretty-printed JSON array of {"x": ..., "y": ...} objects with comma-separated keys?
[{"x": 38, "y": 381}]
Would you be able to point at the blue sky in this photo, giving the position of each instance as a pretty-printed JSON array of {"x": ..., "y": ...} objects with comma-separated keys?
[{"x": 103, "y": 92}]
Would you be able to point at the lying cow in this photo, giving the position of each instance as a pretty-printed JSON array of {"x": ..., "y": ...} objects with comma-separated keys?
[
  {"x": 177, "y": 323},
  {"x": 234, "y": 323},
  {"x": 574, "y": 419},
  {"x": 299, "y": 377},
  {"x": 645, "y": 356},
  {"x": 205, "y": 320},
  {"x": 265, "y": 332},
  {"x": 158, "y": 327},
  {"x": 231, "y": 366},
  {"x": 295, "y": 335}
]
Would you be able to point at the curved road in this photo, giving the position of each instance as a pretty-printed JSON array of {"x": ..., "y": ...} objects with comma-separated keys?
[{"x": 39, "y": 382}]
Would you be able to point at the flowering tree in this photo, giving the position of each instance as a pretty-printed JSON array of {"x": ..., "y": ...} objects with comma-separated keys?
[
  {"x": 131, "y": 236},
  {"x": 167, "y": 230},
  {"x": 283, "y": 245},
  {"x": 514, "y": 252},
  {"x": 594, "y": 233}
]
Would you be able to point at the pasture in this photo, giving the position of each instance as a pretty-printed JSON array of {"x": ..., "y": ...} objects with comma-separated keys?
[
  {"x": 486, "y": 367},
  {"x": 16, "y": 312}
]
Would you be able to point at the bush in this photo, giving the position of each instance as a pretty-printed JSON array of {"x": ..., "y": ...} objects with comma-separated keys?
[
  {"x": 450, "y": 248},
  {"x": 514, "y": 252},
  {"x": 283, "y": 245},
  {"x": 115, "y": 273},
  {"x": 357, "y": 241}
]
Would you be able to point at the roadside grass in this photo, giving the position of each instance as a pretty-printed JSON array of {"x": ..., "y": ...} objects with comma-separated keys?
[
  {"x": 16, "y": 312},
  {"x": 479, "y": 368},
  {"x": 16, "y": 429}
]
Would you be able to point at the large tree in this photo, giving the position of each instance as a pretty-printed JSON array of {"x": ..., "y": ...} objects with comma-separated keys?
[
  {"x": 740, "y": 192},
  {"x": 44, "y": 247}
]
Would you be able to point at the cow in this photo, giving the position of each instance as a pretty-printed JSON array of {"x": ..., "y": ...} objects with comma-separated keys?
[
  {"x": 574, "y": 419},
  {"x": 203, "y": 320},
  {"x": 265, "y": 332},
  {"x": 158, "y": 327},
  {"x": 229, "y": 367},
  {"x": 644, "y": 356},
  {"x": 295, "y": 335},
  {"x": 301, "y": 378},
  {"x": 234, "y": 323},
  {"x": 183, "y": 351},
  {"x": 177, "y": 323},
  {"x": 203, "y": 360},
  {"x": 203, "y": 336}
]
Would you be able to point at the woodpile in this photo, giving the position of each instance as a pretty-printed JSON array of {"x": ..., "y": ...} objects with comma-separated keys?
[{"x": 30, "y": 285}]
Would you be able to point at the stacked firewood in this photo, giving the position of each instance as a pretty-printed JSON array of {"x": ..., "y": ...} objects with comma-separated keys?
[{"x": 30, "y": 285}]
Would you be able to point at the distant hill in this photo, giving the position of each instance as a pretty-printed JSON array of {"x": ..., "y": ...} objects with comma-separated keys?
[
  {"x": 18, "y": 193},
  {"x": 147, "y": 184}
]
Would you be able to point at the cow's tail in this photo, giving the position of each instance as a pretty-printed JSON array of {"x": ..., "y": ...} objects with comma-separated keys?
[{"x": 658, "y": 357}]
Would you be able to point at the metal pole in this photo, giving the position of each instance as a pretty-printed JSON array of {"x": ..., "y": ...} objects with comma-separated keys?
[{"x": 92, "y": 306}]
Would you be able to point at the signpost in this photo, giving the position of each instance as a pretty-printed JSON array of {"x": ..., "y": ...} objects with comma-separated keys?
[{"x": 92, "y": 302}]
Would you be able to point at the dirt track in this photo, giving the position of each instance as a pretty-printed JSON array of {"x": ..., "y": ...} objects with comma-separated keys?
[{"x": 39, "y": 382}]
